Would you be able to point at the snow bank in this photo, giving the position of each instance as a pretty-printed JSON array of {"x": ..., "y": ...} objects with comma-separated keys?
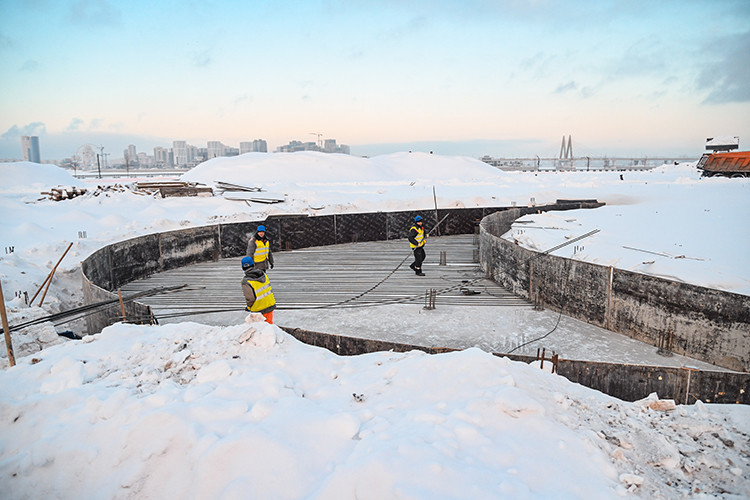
[{"x": 246, "y": 411}]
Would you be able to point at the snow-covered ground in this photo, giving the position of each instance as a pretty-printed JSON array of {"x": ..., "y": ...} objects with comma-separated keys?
[
  {"x": 246, "y": 411},
  {"x": 191, "y": 411}
]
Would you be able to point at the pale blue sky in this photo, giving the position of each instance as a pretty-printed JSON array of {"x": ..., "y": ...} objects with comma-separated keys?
[{"x": 460, "y": 77}]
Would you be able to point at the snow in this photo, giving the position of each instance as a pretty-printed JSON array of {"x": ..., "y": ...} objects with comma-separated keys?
[{"x": 191, "y": 410}]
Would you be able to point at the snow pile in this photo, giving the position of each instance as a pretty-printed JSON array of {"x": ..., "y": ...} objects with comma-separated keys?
[
  {"x": 28, "y": 177},
  {"x": 246, "y": 411},
  {"x": 313, "y": 168}
]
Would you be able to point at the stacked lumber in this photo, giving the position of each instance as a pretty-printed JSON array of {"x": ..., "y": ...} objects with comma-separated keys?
[{"x": 174, "y": 188}]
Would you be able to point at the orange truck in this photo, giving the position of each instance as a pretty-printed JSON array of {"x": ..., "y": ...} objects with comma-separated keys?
[{"x": 735, "y": 164}]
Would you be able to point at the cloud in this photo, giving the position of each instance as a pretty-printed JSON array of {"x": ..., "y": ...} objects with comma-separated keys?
[
  {"x": 587, "y": 92},
  {"x": 727, "y": 76},
  {"x": 203, "y": 59},
  {"x": 572, "y": 86},
  {"x": 566, "y": 87},
  {"x": 75, "y": 124},
  {"x": 355, "y": 53},
  {"x": 411, "y": 27},
  {"x": 241, "y": 98},
  {"x": 6, "y": 42},
  {"x": 35, "y": 128},
  {"x": 30, "y": 65},
  {"x": 94, "y": 13},
  {"x": 645, "y": 57}
]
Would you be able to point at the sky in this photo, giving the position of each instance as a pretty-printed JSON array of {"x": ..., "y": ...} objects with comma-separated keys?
[{"x": 504, "y": 78}]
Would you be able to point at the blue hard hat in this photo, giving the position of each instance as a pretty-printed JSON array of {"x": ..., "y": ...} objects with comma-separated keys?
[
  {"x": 247, "y": 262},
  {"x": 417, "y": 218},
  {"x": 261, "y": 228}
]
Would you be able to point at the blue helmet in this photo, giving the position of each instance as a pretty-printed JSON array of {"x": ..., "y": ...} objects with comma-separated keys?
[
  {"x": 247, "y": 263},
  {"x": 418, "y": 218},
  {"x": 261, "y": 228}
]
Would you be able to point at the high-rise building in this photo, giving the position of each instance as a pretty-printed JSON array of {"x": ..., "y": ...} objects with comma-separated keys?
[
  {"x": 256, "y": 146},
  {"x": 30, "y": 148},
  {"x": 144, "y": 160},
  {"x": 162, "y": 157},
  {"x": 214, "y": 149},
  {"x": 184, "y": 153},
  {"x": 130, "y": 155}
]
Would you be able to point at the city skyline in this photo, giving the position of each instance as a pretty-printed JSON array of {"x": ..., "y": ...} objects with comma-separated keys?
[{"x": 500, "y": 78}]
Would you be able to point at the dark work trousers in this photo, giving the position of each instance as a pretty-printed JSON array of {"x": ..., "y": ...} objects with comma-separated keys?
[{"x": 419, "y": 256}]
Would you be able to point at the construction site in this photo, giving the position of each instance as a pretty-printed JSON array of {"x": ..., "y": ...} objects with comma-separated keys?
[{"x": 339, "y": 277}]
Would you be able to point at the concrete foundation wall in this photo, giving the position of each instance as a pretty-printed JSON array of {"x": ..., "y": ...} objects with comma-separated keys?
[
  {"x": 135, "y": 312},
  {"x": 699, "y": 322},
  {"x": 627, "y": 382}
]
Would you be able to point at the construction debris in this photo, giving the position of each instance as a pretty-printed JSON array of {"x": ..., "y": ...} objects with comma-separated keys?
[
  {"x": 162, "y": 188},
  {"x": 248, "y": 197},
  {"x": 60, "y": 193},
  {"x": 239, "y": 192},
  {"x": 228, "y": 186},
  {"x": 174, "y": 188}
]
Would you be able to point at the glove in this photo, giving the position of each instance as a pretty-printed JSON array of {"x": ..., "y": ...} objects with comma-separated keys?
[
  {"x": 272, "y": 265},
  {"x": 247, "y": 308}
]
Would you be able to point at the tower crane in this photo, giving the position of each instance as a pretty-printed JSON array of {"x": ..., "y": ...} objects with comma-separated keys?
[{"x": 320, "y": 141}]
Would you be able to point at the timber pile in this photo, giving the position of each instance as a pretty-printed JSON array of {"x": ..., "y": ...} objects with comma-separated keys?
[
  {"x": 60, "y": 193},
  {"x": 174, "y": 188}
]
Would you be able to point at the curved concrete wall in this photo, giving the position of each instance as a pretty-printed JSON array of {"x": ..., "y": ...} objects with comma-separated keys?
[
  {"x": 627, "y": 382},
  {"x": 699, "y": 322}
]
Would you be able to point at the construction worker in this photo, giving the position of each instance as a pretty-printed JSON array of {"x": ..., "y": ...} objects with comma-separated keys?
[
  {"x": 257, "y": 290},
  {"x": 259, "y": 248},
  {"x": 417, "y": 239}
]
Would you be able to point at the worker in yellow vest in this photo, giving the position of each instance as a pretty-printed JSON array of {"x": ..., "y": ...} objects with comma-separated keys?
[
  {"x": 259, "y": 248},
  {"x": 256, "y": 287},
  {"x": 417, "y": 239}
]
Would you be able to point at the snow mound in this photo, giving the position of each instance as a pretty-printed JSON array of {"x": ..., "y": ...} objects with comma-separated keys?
[
  {"x": 26, "y": 177},
  {"x": 247, "y": 411},
  {"x": 311, "y": 167}
]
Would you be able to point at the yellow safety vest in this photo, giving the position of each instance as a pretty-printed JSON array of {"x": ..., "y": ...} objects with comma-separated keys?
[
  {"x": 420, "y": 237},
  {"x": 263, "y": 295},
  {"x": 261, "y": 251}
]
